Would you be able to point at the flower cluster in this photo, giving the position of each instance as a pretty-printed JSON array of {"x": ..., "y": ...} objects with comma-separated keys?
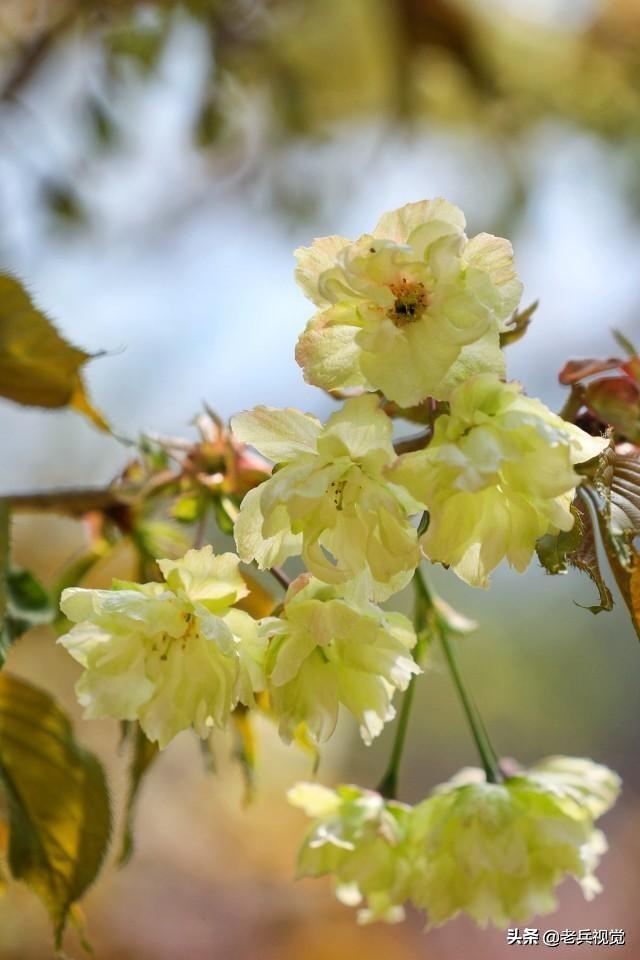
[
  {"x": 329, "y": 500},
  {"x": 495, "y": 851},
  {"x": 497, "y": 475},
  {"x": 171, "y": 655},
  {"x": 327, "y": 650},
  {"x": 409, "y": 316},
  {"x": 414, "y": 311},
  {"x": 178, "y": 654}
]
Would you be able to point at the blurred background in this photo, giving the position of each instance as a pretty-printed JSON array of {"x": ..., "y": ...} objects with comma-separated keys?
[{"x": 158, "y": 164}]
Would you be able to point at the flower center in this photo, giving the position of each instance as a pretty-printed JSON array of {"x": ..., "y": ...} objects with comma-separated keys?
[
  {"x": 411, "y": 302},
  {"x": 336, "y": 492}
]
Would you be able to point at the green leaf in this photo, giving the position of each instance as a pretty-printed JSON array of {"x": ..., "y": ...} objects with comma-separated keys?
[
  {"x": 554, "y": 549},
  {"x": 28, "y": 605},
  {"x": 59, "y": 809},
  {"x": 38, "y": 367},
  {"x": 519, "y": 325},
  {"x": 143, "y": 755},
  {"x": 576, "y": 548},
  {"x": 141, "y": 45},
  {"x": 188, "y": 508},
  {"x": 624, "y": 343},
  {"x": 224, "y": 511}
]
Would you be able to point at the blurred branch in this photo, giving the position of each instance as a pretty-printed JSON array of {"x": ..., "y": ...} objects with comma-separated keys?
[
  {"x": 415, "y": 442},
  {"x": 70, "y": 502},
  {"x": 31, "y": 58}
]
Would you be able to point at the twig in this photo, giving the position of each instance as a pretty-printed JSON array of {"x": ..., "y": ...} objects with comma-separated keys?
[
  {"x": 32, "y": 57},
  {"x": 416, "y": 442},
  {"x": 70, "y": 502}
]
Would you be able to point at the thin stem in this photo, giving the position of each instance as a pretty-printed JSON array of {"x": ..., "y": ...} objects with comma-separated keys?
[
  {"x": 483, "y": 744},
  {"x": 201, "y": 526},
  {"x": 388, "y": 786},
  {"x": 573, "y": 403},
  {"x": 476, "y": 726},
  {"x": 278, "y": 574}
]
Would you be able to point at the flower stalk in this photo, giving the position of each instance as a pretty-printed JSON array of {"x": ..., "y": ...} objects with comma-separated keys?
[{"x": 478, "y": 730}]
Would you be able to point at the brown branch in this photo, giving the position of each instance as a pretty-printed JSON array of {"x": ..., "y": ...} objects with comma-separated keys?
[
  {"x": 70, "y": 502},
  {"x": 416, "y": 442},
  {"x": 32, "y": 57},
  {"x": 278, "y": 574}
]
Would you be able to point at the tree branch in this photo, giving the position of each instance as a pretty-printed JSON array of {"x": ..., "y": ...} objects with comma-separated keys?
[
  {"x": 70, "y": 502},
  {"x": 32, "y": 57},
  {"x": 416, "y": 442}
]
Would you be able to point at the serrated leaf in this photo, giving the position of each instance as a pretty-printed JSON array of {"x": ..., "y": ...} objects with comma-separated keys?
[
  {"x": 519, "y": 325},
  {"x": 59, "y": 810},
  {"x": 624, "y": 492},
  {"x": 554, "y": 549},
  {"x": 144, "y": 752},
  {"x": 38, "y": 367},
  {"x": 618, "y": 483}
]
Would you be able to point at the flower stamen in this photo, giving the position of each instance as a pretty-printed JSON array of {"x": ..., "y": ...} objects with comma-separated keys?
[{"x": 411, "y": 301}]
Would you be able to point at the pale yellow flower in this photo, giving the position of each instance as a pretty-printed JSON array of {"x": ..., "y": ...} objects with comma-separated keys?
[
  {"x": 497, "y": 475},
  {"x": 412, "y": 309},
  {"x": 171, "y": 655},
  {"x": 498, "y": 851},
  {"x": 326, "y": 650},
  {"x": 361, "y": 840},
  {"x": 329, "y": 499}
]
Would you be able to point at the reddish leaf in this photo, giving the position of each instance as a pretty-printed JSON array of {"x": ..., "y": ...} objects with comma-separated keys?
[
  {"x": 616, "y": 402},
  {"x": 576, "y": 370}
]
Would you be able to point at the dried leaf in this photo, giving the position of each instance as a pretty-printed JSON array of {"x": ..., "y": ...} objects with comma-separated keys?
[
  {"x": 585, "y": 556},
  {"x": 59, "y": 811},
  {"x": 38, "y": 367},
  {"x": 576, "y": 370}
]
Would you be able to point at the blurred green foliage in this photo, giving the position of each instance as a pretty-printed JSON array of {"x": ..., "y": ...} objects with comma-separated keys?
[{"x": 308, "y": 70}]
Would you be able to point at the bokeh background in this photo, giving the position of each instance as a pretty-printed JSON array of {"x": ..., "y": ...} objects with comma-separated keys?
[{"x": 158, "y": 164}]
